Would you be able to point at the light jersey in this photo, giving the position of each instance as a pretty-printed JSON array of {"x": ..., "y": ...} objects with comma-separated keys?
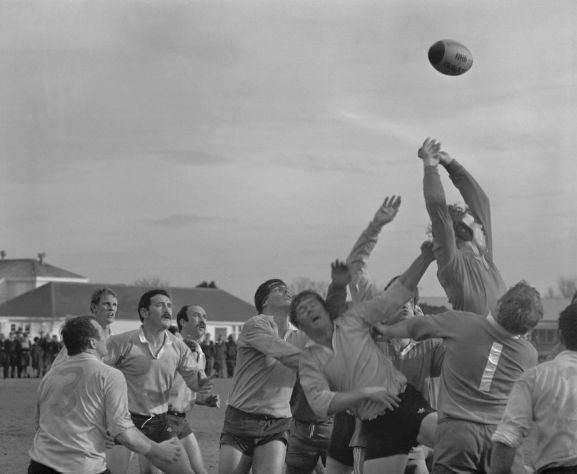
[
  {"x": 482, "y": 362},
  {"x": 181, "y": 397},
  {"x": 77, "y": 402},
  {"x": 544, "y": 401},
  {"x": 471, "y": 281},
  {"x": 149, "y": 376},
  {"x": 355, "y": 360},
  {"x": 62, "y": 356},
  {"x": 262, "y": 383}
]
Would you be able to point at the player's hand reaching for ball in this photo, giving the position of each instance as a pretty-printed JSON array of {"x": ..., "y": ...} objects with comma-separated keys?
[
  {"x": 429, "y": 152},
  {"x": 387, "y": 211},
  {"x": 444, "y": 157},
  {"x": 340, "y": 274}
]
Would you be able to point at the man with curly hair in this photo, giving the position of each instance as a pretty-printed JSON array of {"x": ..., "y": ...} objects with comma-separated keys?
[
  {"x": 483, "y": 359},
  {"x": 463, "y": 236},
  {"x": 544, "y": 400}
]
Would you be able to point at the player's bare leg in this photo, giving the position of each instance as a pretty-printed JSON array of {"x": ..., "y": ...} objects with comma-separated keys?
[
  {"x": 233, "y": 461},
  {"x": 269, "y": 458}
]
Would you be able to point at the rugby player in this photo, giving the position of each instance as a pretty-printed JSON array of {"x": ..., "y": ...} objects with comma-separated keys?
[
  {"x": 191, "y": 325},
  {"x": 463, "y": 237},
  {"x": 544, "y": 401},
  {"x": 103, "y": 306},
  {"x": 82, "y": 399},
  {"x": 258, "y": 415},
  {"x": 418, "y": 361},
  {"x": 345, "y": 369},
  {"x": 484, "y": 357},
  {"x": 149, "y": 357}
]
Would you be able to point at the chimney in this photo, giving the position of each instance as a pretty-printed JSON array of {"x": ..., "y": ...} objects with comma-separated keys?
[
  {"x": 2, "y": 254},
  {"x": 41, "y": 256}
]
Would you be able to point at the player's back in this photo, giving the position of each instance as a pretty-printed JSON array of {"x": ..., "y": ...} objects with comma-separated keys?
[
  {"x": 72, "y": 416},
  {"x": 481, "y": 364}
]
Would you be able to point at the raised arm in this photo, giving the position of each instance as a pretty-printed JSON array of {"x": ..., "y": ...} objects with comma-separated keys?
[
  {"x": 385, "y": 307},
  {"x": 361, "y": 286},
  {"x": 472, "y": 193},
  {"x": 337, "y": 292},
  {"x": 436, "y": 203}
]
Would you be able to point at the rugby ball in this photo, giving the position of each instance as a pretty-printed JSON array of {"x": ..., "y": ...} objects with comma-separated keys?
[{"x": 450, "y": 57}]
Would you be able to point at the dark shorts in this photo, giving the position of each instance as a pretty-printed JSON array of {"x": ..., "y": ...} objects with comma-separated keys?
[
  {"x": 178, "y": 424},
  {"x": 343, "y": 429},
  {"x": 154, "y": 427},
  {"x": 559, "y": 470},
  {"x": 247, "y": 431},
  {"x": 37, "y": 468},
  {"x": 394, "y": 432},
  {"x": 307, "y": 443}
]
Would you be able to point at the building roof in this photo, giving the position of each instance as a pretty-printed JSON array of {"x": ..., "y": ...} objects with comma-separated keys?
[
  {"x": 551, "y": 306},
  {"x": 59, "y": 299},
  {"x": 30, "y": 268}
]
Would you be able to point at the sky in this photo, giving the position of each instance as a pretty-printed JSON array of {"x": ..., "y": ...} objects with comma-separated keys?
[{"x": 238, "y": 141}]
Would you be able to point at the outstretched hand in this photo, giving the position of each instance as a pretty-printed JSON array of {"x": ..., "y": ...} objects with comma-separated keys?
[
  {"x": 340, "y": 273},
  {"x": 429, "y": 152},
  {"x": 388, "y": 210}
]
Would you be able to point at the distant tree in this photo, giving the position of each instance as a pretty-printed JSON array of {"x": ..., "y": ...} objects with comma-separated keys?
[
  {"x": 432, "y": 309},
  {"x": 151, "y": 282},
  {"x": 566, "y": 287},
  {"x": 206, "y": 284},
  {"x": 304, "y": 283}
]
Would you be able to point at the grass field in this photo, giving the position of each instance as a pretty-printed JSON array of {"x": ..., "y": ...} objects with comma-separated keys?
[{"x": 17, "y": 402}]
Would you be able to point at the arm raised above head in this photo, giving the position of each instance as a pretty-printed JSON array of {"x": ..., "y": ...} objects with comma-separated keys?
[
  {"x": 361, "y": 286},
  {"x": 473, "y": 195}
]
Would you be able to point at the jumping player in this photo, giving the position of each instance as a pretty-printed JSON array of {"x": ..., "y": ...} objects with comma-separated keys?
[{"x": 463, "y": 237}]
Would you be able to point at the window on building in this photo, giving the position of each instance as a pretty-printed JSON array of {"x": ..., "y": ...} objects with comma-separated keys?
[{"x": 12, "y": 327}]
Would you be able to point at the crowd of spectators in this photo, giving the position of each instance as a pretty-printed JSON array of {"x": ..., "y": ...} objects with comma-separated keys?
[
  {"x": 21, "y": 357},
  {"x": 220, "y": 356}
]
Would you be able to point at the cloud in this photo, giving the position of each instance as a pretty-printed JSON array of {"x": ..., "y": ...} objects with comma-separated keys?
[
  {"x": 191, "y": 157},
  {"x": 182, "y": 220},
  {"x": 318, "y": 163}
]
